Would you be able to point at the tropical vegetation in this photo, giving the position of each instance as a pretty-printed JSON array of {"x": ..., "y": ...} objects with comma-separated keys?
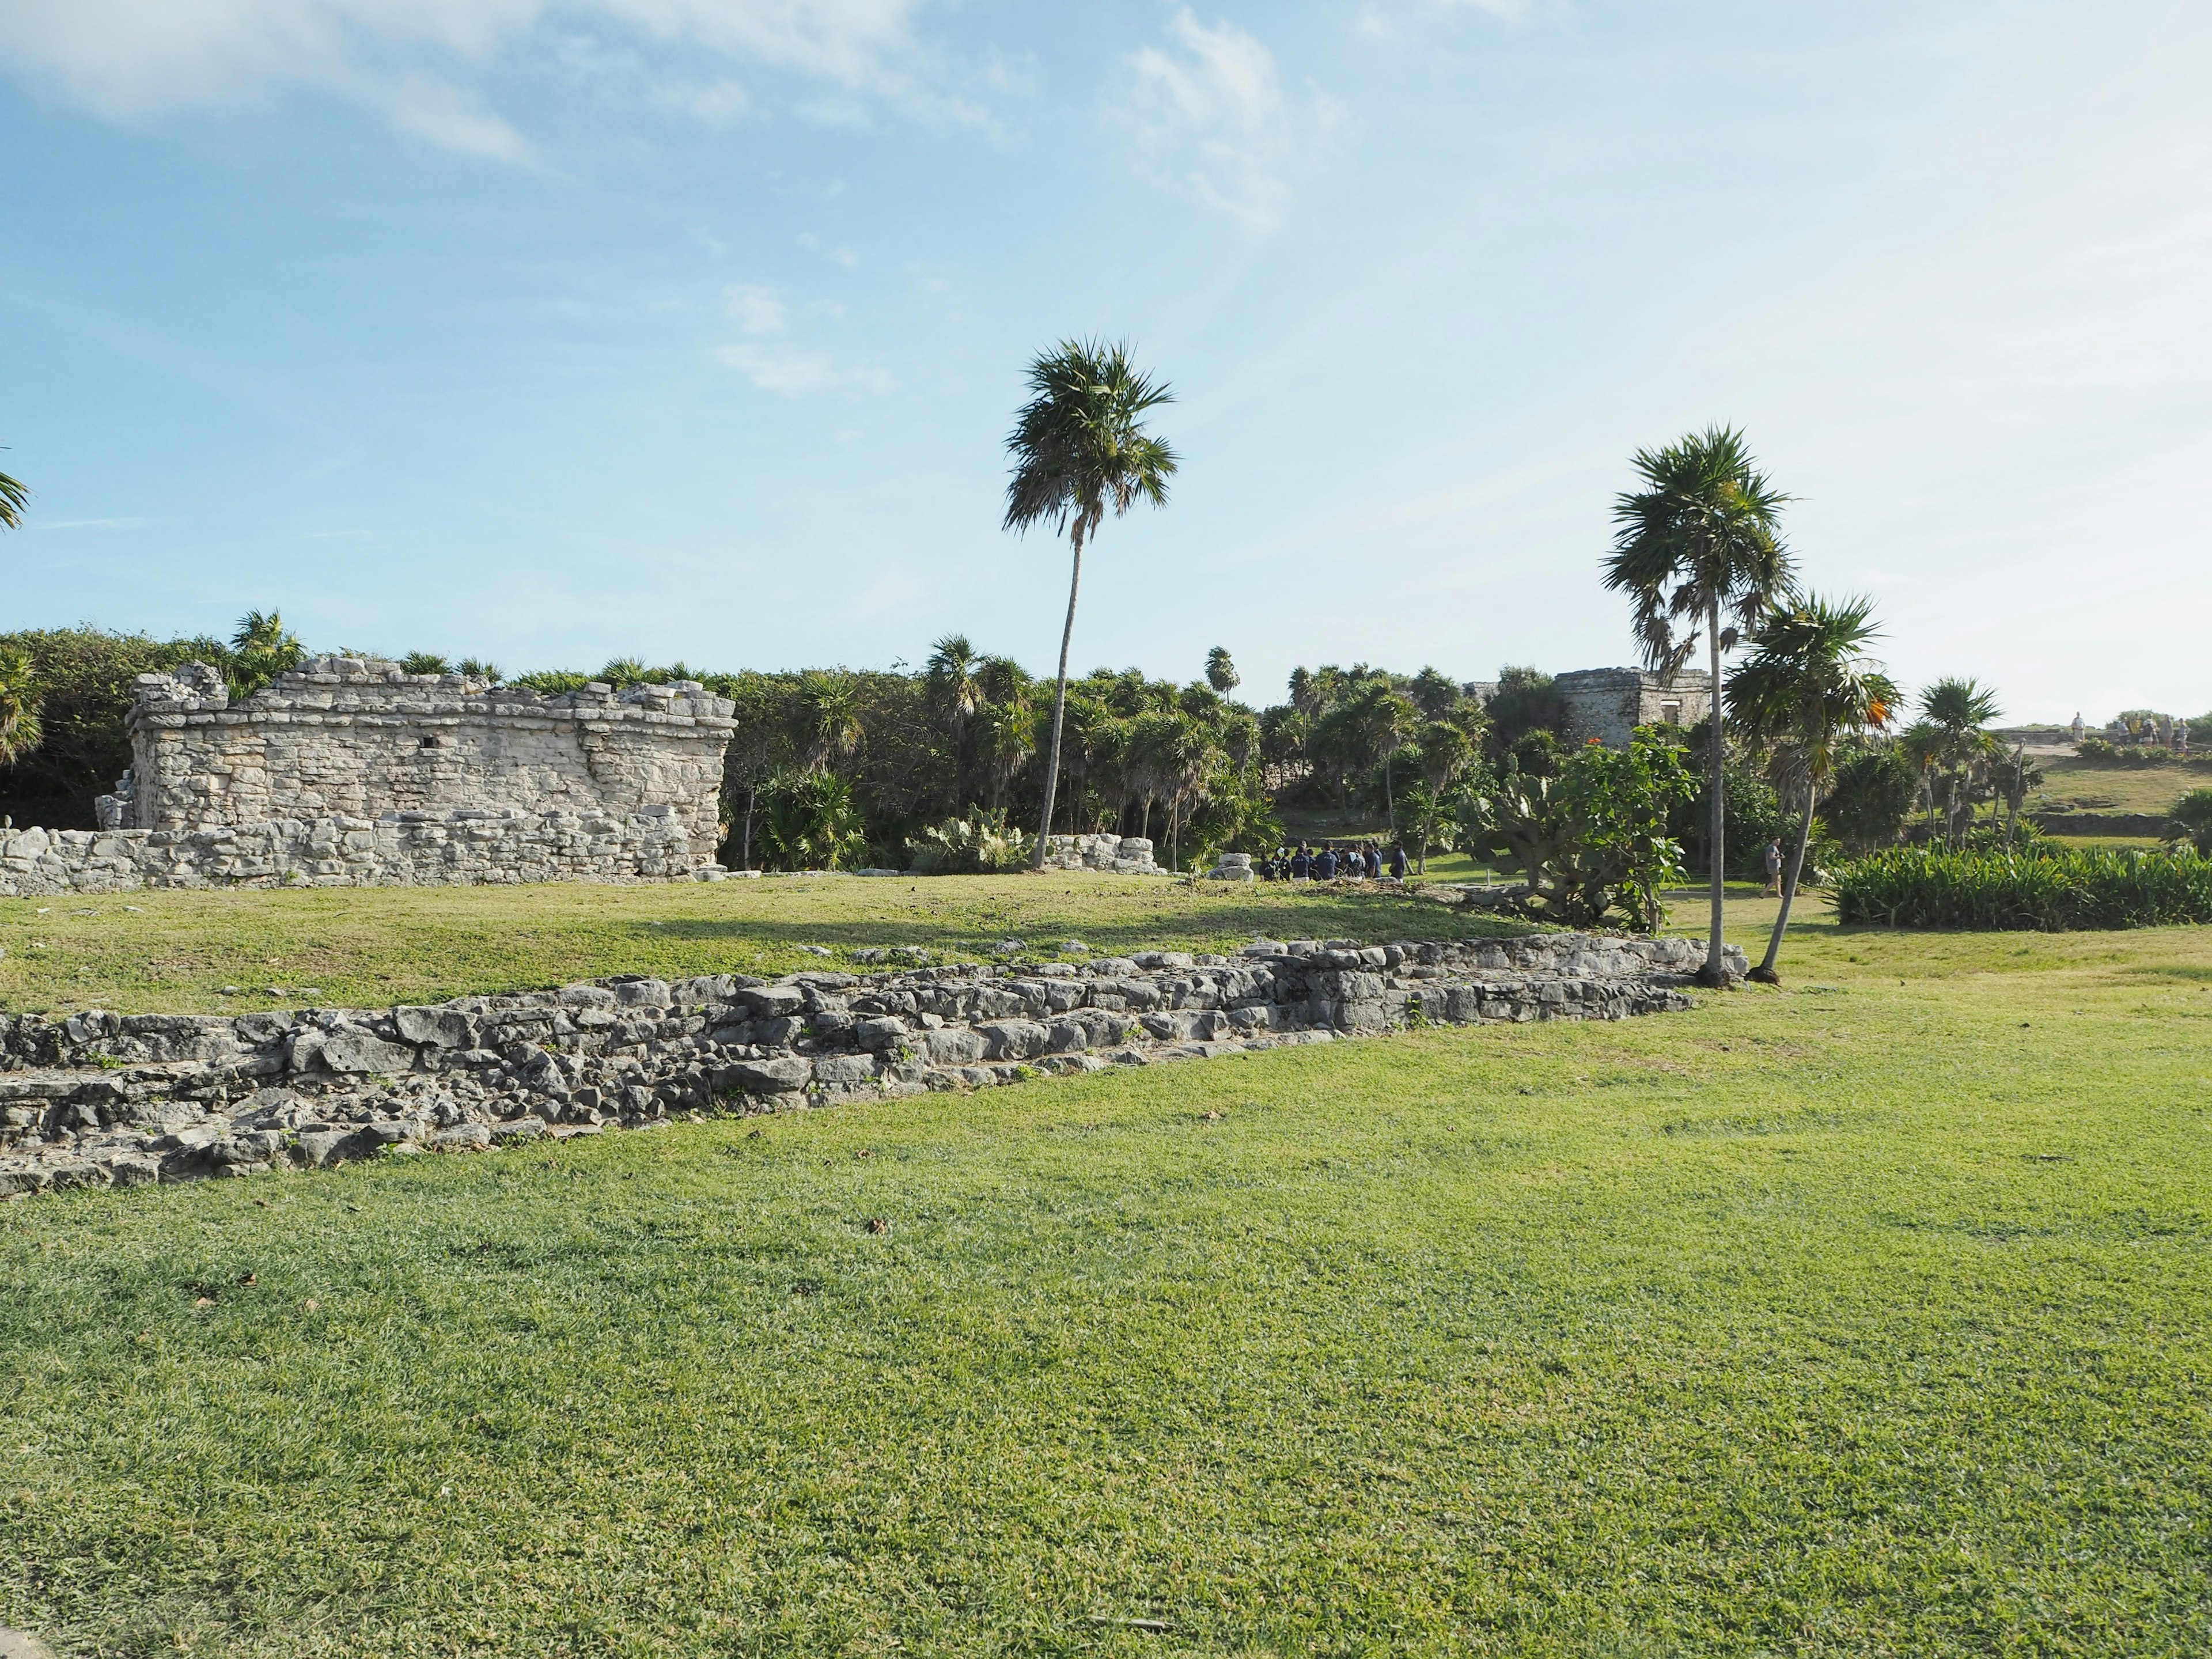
[
  {"x": 1699, "y": 543},
  {"x": 1080, "y": 447},
  {"x": 2040, "y": 886},
  {"x": 1807, "y": 684}
]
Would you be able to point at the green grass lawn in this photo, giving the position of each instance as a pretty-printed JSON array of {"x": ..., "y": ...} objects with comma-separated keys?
[
  {"x": 2071, "y": 785},
  {"x": 1867, "y": 1317},
  {"x": 177, "y": 951}
]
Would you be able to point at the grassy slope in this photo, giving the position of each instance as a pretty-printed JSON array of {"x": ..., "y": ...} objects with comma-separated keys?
[
  {"x": 1865, "y": 1317},
  {"x": 2071, "y": 786},
  {"x": 168, "y": 953}
]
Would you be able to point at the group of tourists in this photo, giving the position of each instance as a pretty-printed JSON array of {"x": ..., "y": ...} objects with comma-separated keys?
[{"x": 1352, "y": 861}]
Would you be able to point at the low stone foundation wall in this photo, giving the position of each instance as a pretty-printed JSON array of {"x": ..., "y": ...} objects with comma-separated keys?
[
  {"x": 402, "y": 850},
  {"x": 100, "y": 1099}
]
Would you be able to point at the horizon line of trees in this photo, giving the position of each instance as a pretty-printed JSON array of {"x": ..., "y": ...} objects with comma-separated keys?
[{"x": 838, "y": 766}]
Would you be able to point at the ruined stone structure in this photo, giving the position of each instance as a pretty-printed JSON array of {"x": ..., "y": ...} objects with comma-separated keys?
[
  {"x": 342, "y": 737},
  {"x": 350, "y": 772},
  {"x": 1610, "y": 703},
  {"x": 100, "y": 1099}
]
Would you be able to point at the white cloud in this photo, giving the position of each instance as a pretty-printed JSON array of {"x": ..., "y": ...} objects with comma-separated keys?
[
  {"x": 1211, "y": 117},
  {"x": 757, "y": 309},
  {"x": 793, "y": 373},
  {"x": 413, "y": 62}
]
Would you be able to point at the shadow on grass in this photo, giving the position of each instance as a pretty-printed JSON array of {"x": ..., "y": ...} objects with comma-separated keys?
[{"x": 1347, "y": 915}]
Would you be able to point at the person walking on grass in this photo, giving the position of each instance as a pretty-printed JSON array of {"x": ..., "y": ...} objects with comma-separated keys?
[{"x": 1773, "y": 867}]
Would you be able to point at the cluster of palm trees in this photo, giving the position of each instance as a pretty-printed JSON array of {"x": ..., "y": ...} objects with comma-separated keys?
[
  {"x": 1960, "y": 764},
  {"x": 1411, "y": 736}
]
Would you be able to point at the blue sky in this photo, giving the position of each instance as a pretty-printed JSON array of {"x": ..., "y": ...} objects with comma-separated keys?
[{"x": 550, "y": 332}]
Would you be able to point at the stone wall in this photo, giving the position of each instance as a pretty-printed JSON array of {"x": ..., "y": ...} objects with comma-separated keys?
[
  {"x": 1610, "y": 703},
  {"x": 100, "y": 1099},
  {"x": 343, "y": 738},
  {"x": 402, "y": 850}
]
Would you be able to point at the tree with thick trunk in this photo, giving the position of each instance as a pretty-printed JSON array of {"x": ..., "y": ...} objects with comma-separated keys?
[
  {"x": 1080, "y": 446},
  {"x": 1700, "y": 541}
]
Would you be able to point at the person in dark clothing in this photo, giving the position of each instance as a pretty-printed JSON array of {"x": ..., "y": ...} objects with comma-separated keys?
[
  {"x": 1325, "y": 866},
  {"x": 1398, "y": 861},
  {"x": 1301, "y": 863},
  {"x": 1374, "y": 861}
]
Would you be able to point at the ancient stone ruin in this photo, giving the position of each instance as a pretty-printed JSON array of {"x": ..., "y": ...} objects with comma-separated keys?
[
  {"x": 1610, "y": 703},
  {"x": 351, "y": 772},
  {"x": 100, "y": 1099}
]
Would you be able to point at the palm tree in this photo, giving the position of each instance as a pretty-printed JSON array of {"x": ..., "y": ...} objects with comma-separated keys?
[
  {"x": 1702, "y": 537},
  {"x": 14, "y": 498},
  {"x": 1389, "y": 720},
  {"x": 21, "y": 729},
  {"x": 1080, "y": 446},
  {"x": 831, "y": 707},
  {"x": 1446, "y": 752},
  {"x": 262, "y": 648},
  {"x": 950, "y": 676},
  {"x": 1959, "y": 710},
  {"x": 1807, "y": 682},
  {"x": 1220, "y": 671}
]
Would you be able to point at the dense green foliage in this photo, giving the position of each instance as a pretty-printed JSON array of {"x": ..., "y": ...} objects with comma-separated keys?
[
  {"x": 1864, "y": 1320},
  {"x": 2192, "y": 820},
  {"x": 2042, "y": 886},
  {"x": 1591, "y": 839},
  {"x": 84, "y": 683}
]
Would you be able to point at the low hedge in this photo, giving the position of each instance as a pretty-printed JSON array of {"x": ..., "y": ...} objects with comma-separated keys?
[{"x": 2045, "y": 890}]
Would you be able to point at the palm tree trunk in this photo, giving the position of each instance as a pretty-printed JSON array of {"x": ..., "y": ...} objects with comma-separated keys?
[
  {"x": 1059, "y": 690},
  {"x": 1764, "y": 972},
  {"x": 1389, "y": 808},
  {"x": 1716, "y": 784},
  {"x": 752, "y": 794}
]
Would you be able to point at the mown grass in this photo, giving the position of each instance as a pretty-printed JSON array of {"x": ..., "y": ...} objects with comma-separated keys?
[
  {"x": 1864, "y": 1318},
  {"x": 180, "y": 951}
]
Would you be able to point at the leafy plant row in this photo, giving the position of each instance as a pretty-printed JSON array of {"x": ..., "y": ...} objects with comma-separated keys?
[{"x": 2048, "y": 890}]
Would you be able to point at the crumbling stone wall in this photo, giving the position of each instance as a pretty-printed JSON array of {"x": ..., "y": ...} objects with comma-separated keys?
[
  {"x": 100, "y": 1099},
  {"x": 344, "y": 737}
]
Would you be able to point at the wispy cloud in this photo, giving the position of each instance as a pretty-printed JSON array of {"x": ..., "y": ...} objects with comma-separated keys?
[
  {"x": 92, "y": 524},
  {"x": 774, "y": 364},
  {"x": 1211, "y": 117},
  {"x": 416, "y": 64}
]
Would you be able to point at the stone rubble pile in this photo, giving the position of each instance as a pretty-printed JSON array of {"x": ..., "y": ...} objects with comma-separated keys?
[
  {"x": 1125, "y": 855},
  {"x": 100, "y": 1099}
]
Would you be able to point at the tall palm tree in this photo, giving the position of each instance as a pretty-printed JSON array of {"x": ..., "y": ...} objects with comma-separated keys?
[
  {"x": 1080, "y": 446},
  {"x": 1807, "y": 682},
  {"x": 1700, "y": 540},
  {"x": 1221, "y": 671}
]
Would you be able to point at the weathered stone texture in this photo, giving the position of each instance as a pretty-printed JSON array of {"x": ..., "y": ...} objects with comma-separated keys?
[
  {"x": 463, "y": 848},
  {"x": 1610, "y": 703},
  {"x": 100, "y": 1099},
  {"x": 346, "y": 737}
]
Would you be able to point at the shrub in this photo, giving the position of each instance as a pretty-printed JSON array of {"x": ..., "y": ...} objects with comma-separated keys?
[
  {"x": 2039, "y": 887},
  {"x": 2192, "y": 820},
  {"x": 969, "y": 847},
  {"x": 809, "y": 822},
  {"x": 1591, "y": 840}
]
